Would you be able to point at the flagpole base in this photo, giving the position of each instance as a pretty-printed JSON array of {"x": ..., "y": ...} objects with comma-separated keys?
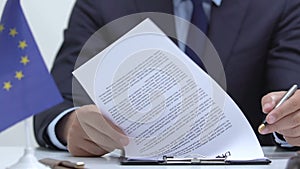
[{"x": 28, "y": 161}]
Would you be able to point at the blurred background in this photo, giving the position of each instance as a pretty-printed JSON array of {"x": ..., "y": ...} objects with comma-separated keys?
[{"x": 47, "y": 20}]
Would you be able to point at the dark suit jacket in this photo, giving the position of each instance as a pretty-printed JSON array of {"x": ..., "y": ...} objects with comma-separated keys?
[{"x": 258, "y": 42}]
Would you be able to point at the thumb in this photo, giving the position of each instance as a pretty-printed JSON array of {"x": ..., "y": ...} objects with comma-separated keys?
[{"x": 268, "y": 102}]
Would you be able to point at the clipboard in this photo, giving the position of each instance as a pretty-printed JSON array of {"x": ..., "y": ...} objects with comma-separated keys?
[
  {"x": 194, "y": 161},
  {"x": 218, "y": 160}
]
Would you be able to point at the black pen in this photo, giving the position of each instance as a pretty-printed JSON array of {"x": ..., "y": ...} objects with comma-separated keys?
[{"x": 287, "y": 95}]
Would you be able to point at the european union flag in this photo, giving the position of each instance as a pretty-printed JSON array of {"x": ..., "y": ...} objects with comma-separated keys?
[{"x": 26, "y": 87}]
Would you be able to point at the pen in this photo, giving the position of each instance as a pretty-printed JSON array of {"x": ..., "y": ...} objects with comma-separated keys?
[{"x": 287, "y": 95}]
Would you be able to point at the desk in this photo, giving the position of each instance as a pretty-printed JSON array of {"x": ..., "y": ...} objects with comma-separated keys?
[{"x": 10, "y": 155}]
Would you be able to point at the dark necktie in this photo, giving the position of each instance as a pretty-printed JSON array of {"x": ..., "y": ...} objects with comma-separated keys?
[{"x": 200, "y": 20}]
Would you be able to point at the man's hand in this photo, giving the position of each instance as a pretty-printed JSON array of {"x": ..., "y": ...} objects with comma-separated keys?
[
  {"x": 88, "y": 133},
  {"x": 285, "y": 119}
]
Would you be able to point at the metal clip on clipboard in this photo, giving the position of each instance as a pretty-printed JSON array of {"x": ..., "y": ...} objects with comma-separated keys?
[
  {"x": 172, "y": 160},
  {"x": 220, "y": 159}
]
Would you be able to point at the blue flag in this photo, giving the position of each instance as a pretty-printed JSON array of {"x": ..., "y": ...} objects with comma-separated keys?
[{"x": 26, "y": 87}]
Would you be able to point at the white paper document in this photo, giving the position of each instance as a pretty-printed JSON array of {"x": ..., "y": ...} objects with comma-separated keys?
[{"x": 163, "y": 101}]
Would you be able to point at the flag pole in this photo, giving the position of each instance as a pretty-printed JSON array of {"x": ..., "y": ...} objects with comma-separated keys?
[{"x": 28, "y": 160}]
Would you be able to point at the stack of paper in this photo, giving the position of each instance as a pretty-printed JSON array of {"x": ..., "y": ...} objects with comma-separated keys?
[{"x": 163, "y": 101}]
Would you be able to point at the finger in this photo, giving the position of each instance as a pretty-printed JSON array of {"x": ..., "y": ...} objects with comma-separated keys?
[
  {"x": 294, "y": 141},
  {"x": 94, "y": 123},
  {"x": 79, "y": 144},
  {"x": 86, "y": 148},
  {"x": 284, "y": 124},
  {"x": 101, "y": 139},
  {"x": 290, "y": 125},
  {"x": 288, "y": 107},
  {"x": 268, "y": 102},
  {"x": 291, "y": 132},
  {"x": 114, "y": 128}
]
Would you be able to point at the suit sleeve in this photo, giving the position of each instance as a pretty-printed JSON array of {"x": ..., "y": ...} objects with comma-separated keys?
[
  {"x": 283, "y": 63},
  {"x": 82, "y": 25},
  {"x": 87, "y": 17}
]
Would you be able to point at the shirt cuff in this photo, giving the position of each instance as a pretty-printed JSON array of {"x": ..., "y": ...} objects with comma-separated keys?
[
  {"x": 281, "y": 142},
  {"x": 51, "y": 129}
]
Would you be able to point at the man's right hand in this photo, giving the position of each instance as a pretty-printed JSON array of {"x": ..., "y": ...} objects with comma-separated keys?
[{"x": 88, "y": 133}]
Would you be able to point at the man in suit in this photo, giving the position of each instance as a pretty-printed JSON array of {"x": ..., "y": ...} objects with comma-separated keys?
[{"x": 257, "y": 41}]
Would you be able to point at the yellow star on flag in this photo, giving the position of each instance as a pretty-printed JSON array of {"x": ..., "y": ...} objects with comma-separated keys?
[
  {"x": 13, "y": 32},
  {"x": 24, "y": 60},
  {"x": 22, "y": 44},
  {"x": 19, "y": 75},
  {"x": 1, "y": 27},
  {"x": 7, "y": 86}
]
